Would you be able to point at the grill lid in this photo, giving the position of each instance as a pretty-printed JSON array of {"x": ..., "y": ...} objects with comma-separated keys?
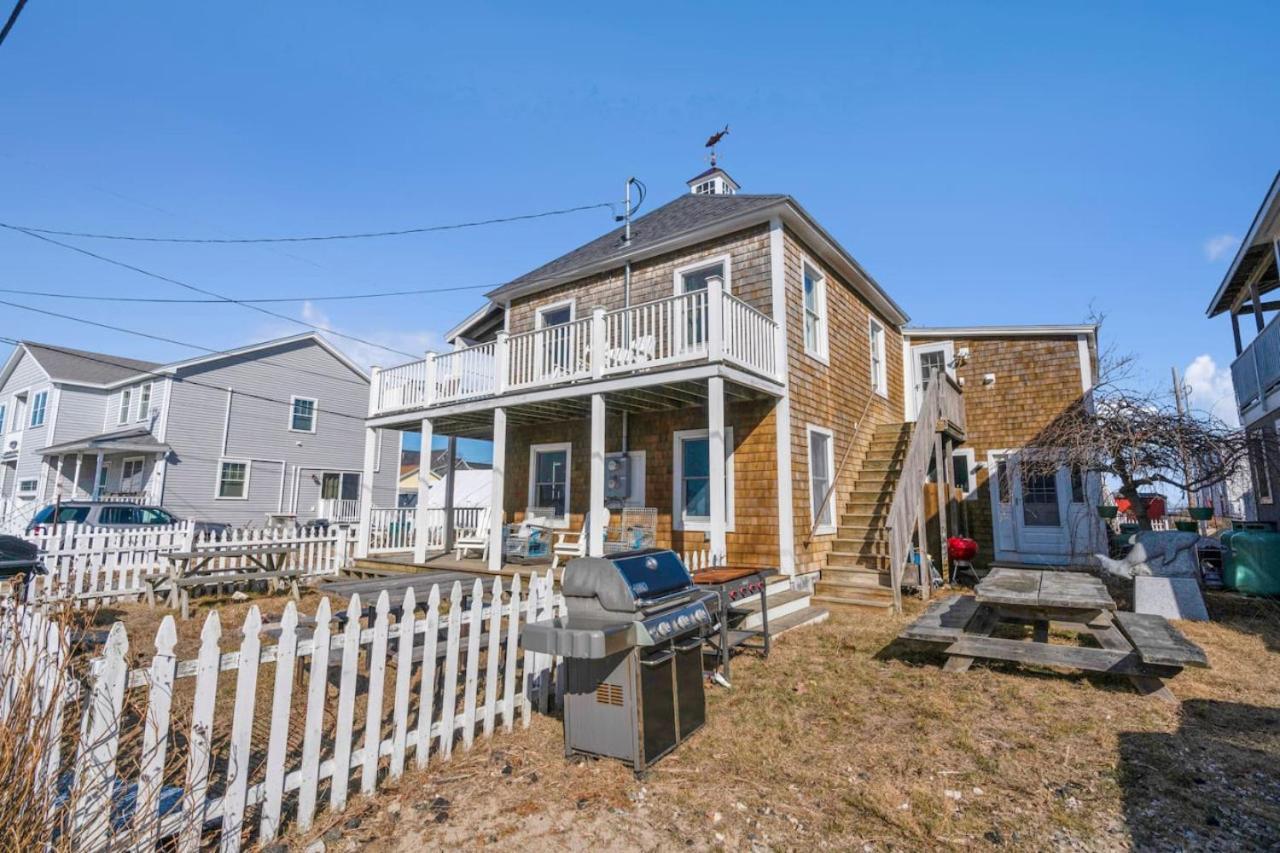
[{"x": 622, "y": 582}]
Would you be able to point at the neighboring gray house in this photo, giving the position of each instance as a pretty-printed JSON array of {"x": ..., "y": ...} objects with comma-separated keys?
[{"x": 267, "y": 429}]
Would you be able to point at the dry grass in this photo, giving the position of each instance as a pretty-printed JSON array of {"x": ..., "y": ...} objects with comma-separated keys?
[{"x": 843, "y": 739}]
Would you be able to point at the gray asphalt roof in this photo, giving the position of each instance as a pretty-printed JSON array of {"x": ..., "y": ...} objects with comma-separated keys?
[
  {"x": 685, "y": 213},
  {"x": 81, "y": 366},
  {"x": 135, "y": 439}
]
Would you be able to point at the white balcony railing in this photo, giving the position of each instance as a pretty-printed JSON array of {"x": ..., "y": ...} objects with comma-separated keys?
[
  {"x": 339, "y": 511},
  {"x": 708, "y": 325},
  {"x": 1257, "y": 370}
]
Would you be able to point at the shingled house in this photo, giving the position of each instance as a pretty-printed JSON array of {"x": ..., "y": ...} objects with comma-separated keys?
[{"x": 735, "y": 367}]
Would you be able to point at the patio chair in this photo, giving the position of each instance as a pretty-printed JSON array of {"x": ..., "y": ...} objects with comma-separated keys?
[
  {"x": 643, "y": 349},
  {"x": 473, "y": 540},
  {"x": 570, "y": 545},
  {"x": 638, "y": 528},
  {"x": 528, "y": 539}
]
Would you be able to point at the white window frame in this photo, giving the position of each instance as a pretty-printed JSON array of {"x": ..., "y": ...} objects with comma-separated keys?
[
  {"x": 809, "y": 430},
  {"x": 315, "y": 413},
  {"x": 39, "y": 404},
  {"x": 679, "y": 520},
  {"x": 126, "y": 406},
  {"x": 571, "y": 304},
  {"x": 145, "y": 392},
  {"x": 217, "y": 481},
  {"x": 821, "y": 350},
  {"x": 31, "y": 492},
  {"x": 4, "y": 411},
  {"x": 142, "y": 471},
  {"x": 553, "y": 447},
  {"x": 724, "y": 260},
  {"x": 876, "y": 346},
  {"x": 972, "y": 457}
]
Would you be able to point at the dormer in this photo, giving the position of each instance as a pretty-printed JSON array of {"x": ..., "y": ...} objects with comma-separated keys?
[{"x": 714, "y": 181}]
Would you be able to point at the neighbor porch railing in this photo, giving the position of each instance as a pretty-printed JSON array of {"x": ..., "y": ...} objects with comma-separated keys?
[
  {"x": 708, "y": 325},
  {"x": 942, "y": 405},
  {"x": 397, "y": 529},
  {"x": 339, "y": 511}
]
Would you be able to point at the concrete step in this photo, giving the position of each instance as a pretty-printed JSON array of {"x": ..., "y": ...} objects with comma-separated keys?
[
  {"x": 797, "y": 619},
  {"x": 780, "y": 605}
]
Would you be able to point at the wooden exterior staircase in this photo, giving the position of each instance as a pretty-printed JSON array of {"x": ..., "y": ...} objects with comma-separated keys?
[{"x": 857, "y": 575}]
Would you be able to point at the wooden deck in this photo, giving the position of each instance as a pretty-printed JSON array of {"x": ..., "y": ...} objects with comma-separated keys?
[{"x": 444, "y": 561}]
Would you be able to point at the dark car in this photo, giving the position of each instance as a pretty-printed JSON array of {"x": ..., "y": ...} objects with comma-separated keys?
[{"x": 111, "y": 514}]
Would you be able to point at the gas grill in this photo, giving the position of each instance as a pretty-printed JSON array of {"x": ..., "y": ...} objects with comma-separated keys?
[{"x": 632, "y": 643}]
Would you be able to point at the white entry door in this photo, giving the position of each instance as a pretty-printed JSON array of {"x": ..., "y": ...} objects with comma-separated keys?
[
  {"x": 926, "y": 360},
  {"x": 1030, "y": 512}
]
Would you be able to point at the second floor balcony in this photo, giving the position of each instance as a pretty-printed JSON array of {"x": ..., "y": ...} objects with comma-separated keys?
[
  {"x": 708, "y": 326},
  {"x": 1255, "y": 374}
]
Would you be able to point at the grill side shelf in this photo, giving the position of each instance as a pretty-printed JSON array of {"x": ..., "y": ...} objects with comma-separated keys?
[{"x": 555, "y": 638}]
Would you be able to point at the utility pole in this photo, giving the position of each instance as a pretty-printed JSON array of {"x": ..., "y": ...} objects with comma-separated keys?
[{"x": 1182, "y": 450}]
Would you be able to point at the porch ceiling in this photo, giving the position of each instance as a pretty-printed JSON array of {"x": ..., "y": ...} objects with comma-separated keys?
[{"x": 652, "y": 398}]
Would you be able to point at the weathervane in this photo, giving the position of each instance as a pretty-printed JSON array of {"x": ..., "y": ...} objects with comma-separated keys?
[{"x": 711, "y": 143}]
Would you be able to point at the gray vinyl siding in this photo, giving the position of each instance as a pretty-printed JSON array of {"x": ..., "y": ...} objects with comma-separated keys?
[
  {"x": 79, "y": 413},
  {"x": 28, "y": 376},
  {"x": 110, "y": 414},
  {"x": 257, "y": 431}
]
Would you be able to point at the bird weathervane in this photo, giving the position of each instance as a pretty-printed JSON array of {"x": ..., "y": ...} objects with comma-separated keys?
[{"x": 713, "y": 140}]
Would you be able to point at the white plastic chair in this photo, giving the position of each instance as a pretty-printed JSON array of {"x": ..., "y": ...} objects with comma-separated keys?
[
  {"x": 473, "y": 540},
  {"x": 570, "y": 545}
]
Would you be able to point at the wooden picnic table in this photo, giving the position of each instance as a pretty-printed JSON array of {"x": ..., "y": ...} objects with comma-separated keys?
[
  {"x": 1144, "y": 648},
  {"x": 188, "y": 569}
]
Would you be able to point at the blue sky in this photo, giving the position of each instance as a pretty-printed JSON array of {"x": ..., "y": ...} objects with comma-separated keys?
[{"x": 988, "y": 163}]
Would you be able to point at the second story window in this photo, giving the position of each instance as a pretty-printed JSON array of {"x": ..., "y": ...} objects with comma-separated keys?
[
  {"x": 302, "y": 416},
  {"x": 815, "y": 313},
  {"x": 144, "y": 401},
  {"x": 126, "y": 403},
  {"x": 38, "y": 404},
  {"x": 879, "y": 377},
  {"x": 2, "y": 414}
]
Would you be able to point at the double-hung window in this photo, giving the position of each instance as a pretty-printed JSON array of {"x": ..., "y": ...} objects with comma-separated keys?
[
  {"x": 815, "y": 312},
  {"x": 233, "y": 480},
  {"x": 879, "y": 375},
  {"x": 126, "y": 402},
  {"x": 549, "y": 478},
  {"x": 692, "y": 480},
  {"x": 694, "y": 278},
  {"x": 344, "y": 486},
  {"x": 821, "y": 467},
  {"x": 144, "y": 401},
  {"x": 302, "y": 414},
  {"x": 2, "y": 414},
  {"x": 38, "y": 404}
]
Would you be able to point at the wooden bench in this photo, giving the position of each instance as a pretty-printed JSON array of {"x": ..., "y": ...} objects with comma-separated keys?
[
  {"x": 233, "y": 578},
  {"x": 1158, "y": 643},
  {"x": 944, "y": 620}
]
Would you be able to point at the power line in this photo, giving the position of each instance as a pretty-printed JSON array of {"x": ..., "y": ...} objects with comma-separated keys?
[
  {"x": 273, "y": 299},
  {"x": 206, "y": 292},
  {"x": 13, "y": 19},
  {"x": 309, "y": 238}
]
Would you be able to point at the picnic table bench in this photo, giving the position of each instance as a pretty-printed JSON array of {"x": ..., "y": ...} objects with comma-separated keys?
[
  {"x": 1144, "y": 648},
  {"x": 191, "y": 569}
]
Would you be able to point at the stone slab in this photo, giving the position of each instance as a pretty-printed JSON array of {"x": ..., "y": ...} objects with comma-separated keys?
[{"x": 1172, "y": 598}]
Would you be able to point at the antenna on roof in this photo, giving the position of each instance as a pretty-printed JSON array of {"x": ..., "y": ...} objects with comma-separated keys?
[
  {"x": 711, "y": 143},
  {"x": 628, "y": 210}
]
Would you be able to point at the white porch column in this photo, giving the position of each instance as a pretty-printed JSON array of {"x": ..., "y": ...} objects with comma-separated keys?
[
  {"x": 423, "y": 515},
  {"x": 715, "y": 453},
  {"x": 595, "y": 520},
  {"x": 497, "y": 488},
  {"x": 75, "y": 483},
  {"x": 97, "y": 476},
  {"x": 715, "y": 319},
  {"x": 57, "y": 483},
  {"x": 782, "y": 409},
  {"x": 450, "y": 475},
  {"x": 365, "y": 529}
]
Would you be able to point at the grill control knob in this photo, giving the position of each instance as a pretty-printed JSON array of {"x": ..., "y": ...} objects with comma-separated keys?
[
  {"x": 702, "y": 616},
  {"x": 683, "y": 620},
  {"x": 664, "y": 628}
]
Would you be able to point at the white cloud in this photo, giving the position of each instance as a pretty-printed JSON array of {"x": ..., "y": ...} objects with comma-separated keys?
[
  {"x": 1216, "y": 248},
  {"x": 1209, "y": 389},
  {"x": 415, "y": 342}
]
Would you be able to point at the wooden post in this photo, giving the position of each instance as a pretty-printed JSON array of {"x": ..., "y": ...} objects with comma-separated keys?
[
  {"x": 942, "y": 468},
  {"x": 716, "y": 460},
  {"x": 1235, "y": 331},
  {"x": 595, "y": 519},
  {"x": 1257, "y": 305},
  {"x": 922, "y": 534},
  {"x": 423, "y": 513},
  {"x": 497, "y": 488}
]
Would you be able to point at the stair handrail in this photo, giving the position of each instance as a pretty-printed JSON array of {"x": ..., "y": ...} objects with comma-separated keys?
[
  {"x": 908, "y": 496},
  {"x": 835, "y": 478}
]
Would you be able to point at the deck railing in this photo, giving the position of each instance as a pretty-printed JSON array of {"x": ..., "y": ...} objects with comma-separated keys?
[
  {"x": 397, "y": 528},
  {"x": 706, "y": 325},
  {"x": 339, "y": 511},
  {"x": 1257, "y": 370}
]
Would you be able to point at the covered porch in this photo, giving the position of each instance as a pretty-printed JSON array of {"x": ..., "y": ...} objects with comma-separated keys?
[
  {"x": 582, "y": 458},
  {"x": 126, "y": 465}
]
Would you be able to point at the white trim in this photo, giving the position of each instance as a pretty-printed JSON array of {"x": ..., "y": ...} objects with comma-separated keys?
[
  {"x": 315, "y": 413},
  {"x": 970, "y": 454},
  {"x": 226, "y": 422},
  {"x": 948, "y": 348},
  {"x": 31, "y": 409},
  {"x": 217, "y": 482},
  {"x": 782, "y": 408},
  {"x": 809, "y": 430},
  {"x": 124, "y": 406},
  {"x": 1086, "y": 363},
  {"x": 724, "y": 259},
  {"x": 997, "y": 331},
  {"x": 161, "y": 466},
  {"x": 879, "y": 377},
  {"x": 570, "y": 303},
  {"x": 679, "y": 521},
  {"x": 151, "y": 395},
  {"x": 822, "y": 351},
  {"x": 553, "y": 447}
]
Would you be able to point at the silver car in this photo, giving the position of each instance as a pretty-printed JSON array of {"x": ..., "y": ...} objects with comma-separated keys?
[{"x": 111, "y": 514}]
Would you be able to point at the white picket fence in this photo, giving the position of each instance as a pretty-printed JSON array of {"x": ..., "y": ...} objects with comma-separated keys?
[
  {"x": 164, "y": 756},
  {"x": 84, "y": 561}
]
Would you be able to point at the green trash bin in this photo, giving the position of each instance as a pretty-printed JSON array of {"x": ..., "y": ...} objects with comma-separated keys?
[{"x": 1252, "y": 563}]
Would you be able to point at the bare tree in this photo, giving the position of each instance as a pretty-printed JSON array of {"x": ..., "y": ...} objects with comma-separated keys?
[{"x": 1141, "y": 438}]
